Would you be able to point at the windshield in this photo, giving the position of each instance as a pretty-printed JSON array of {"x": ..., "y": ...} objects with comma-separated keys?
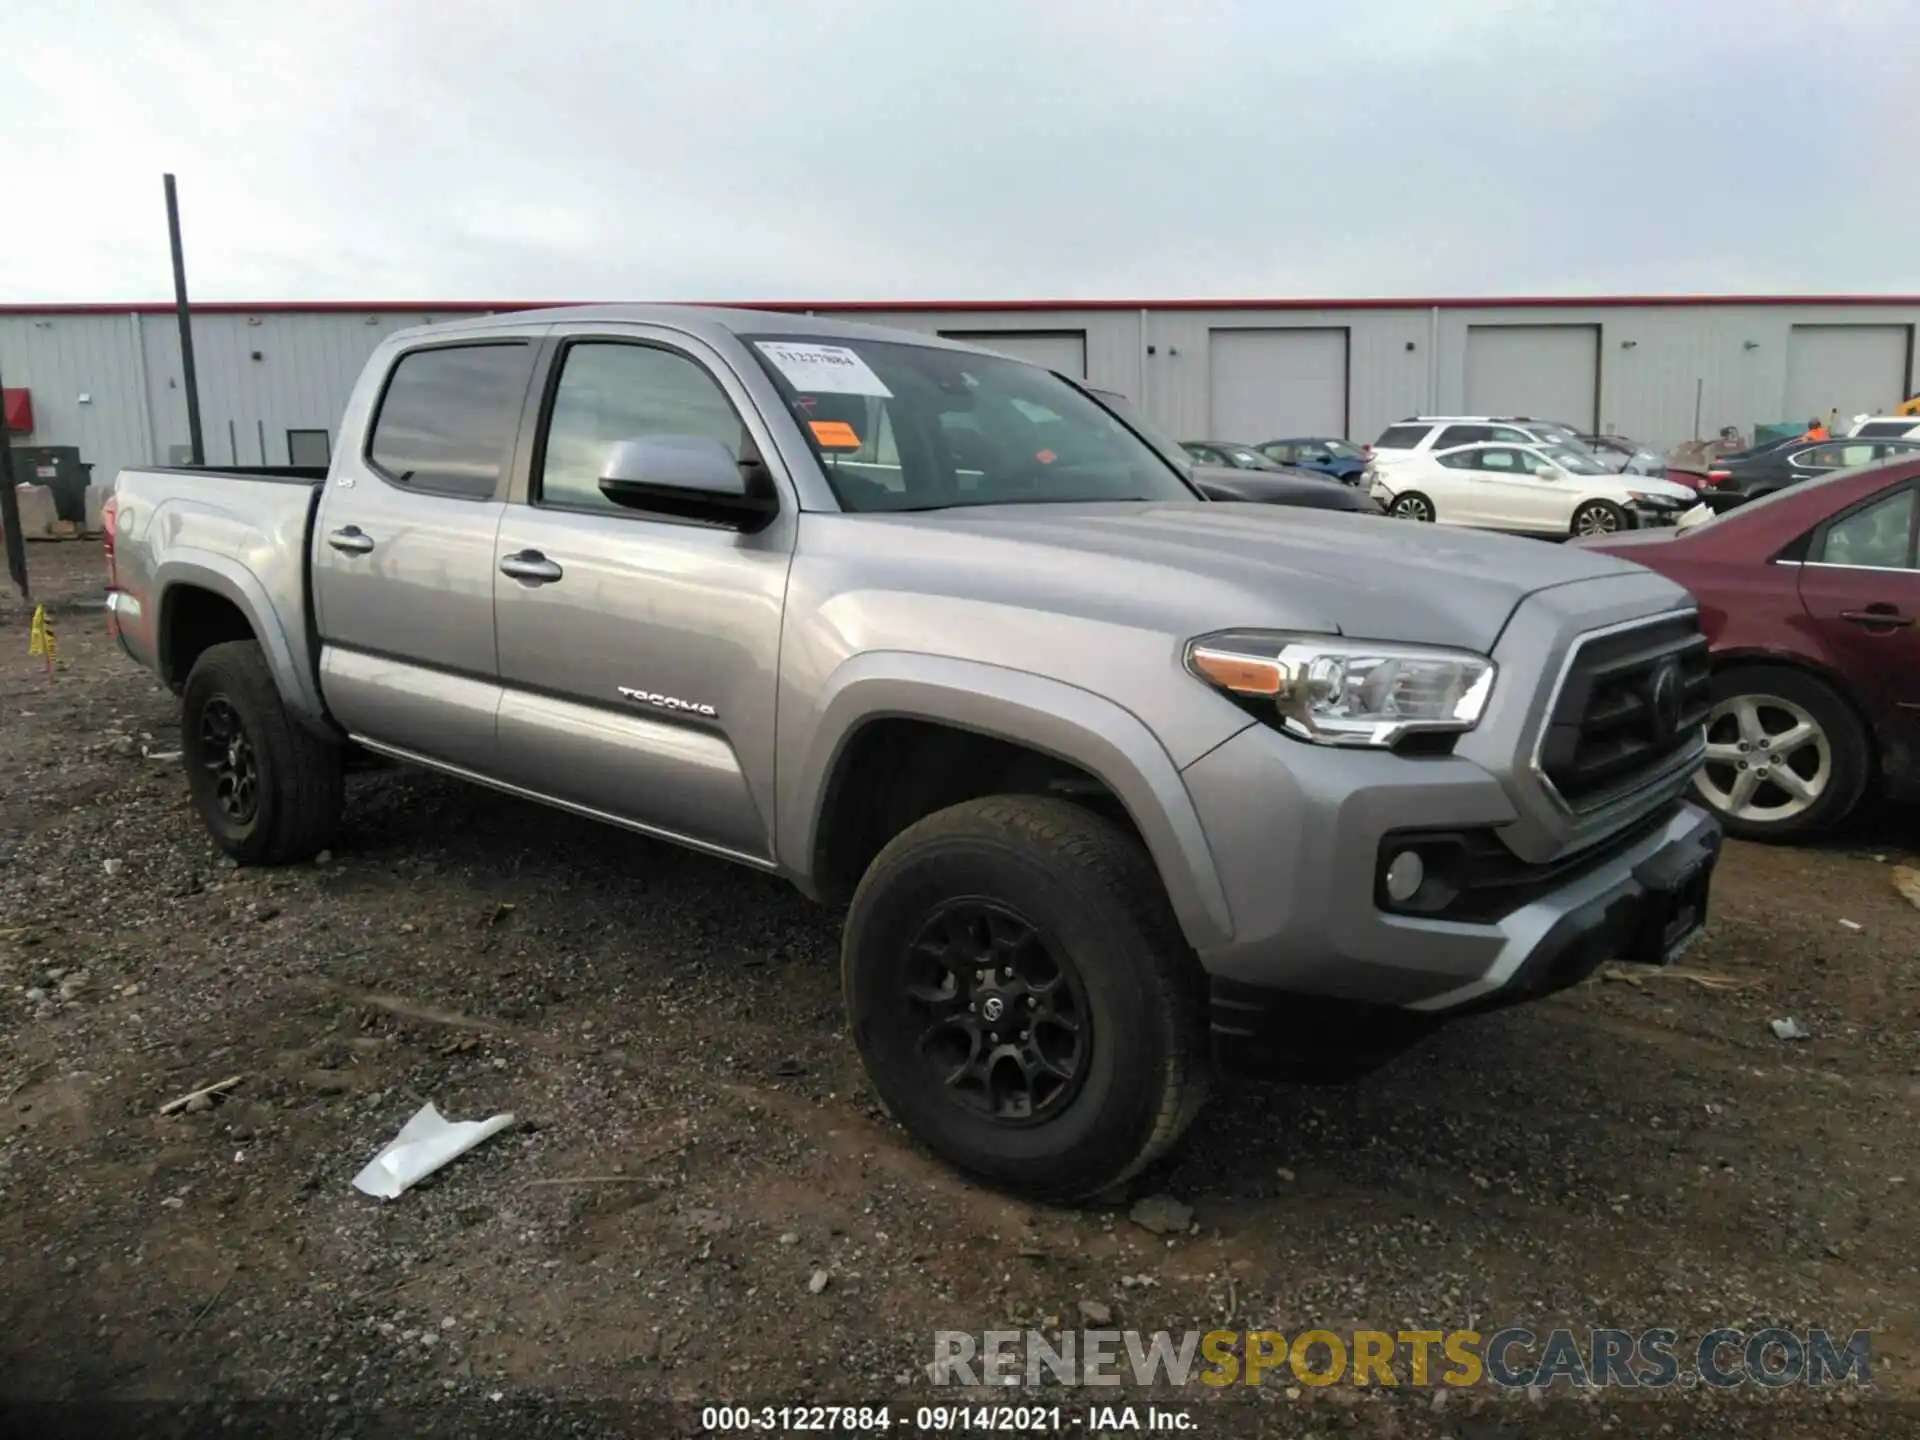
[
  {"x": 1562, "y": 438},
  {"x": 1245, "y": 457},
  {"x": 1574, "y": 462},
  {"x": 1174, "y": 452},
  {"x": 911, "y": 427},
  {"x": 1342, "y": 449}
]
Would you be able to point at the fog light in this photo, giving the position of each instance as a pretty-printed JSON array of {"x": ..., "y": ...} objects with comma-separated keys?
[{"x": 1405, "y": 875}]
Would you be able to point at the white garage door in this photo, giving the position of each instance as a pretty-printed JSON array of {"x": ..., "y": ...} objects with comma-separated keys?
[
  {"x": 1547, "y": 372},
  {"x": 1062, "y": 350},
  {"x": 1276, "y": 384},
  {"x": 1849, "y": 368}
]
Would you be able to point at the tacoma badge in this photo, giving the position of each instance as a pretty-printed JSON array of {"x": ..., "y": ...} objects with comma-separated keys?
[{"x": 667, "y": 702}]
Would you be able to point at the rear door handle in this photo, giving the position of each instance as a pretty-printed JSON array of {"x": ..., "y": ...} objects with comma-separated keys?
[
  {"x": 531, "y": 566},
  {"x": 1876, "y": 616},
  {"x": 350, "y": 540}
]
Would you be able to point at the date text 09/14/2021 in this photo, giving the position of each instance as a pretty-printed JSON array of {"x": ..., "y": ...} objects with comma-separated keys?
[{"x": 944, "y": 1419}]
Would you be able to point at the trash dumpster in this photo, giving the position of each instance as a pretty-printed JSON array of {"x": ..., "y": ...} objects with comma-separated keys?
[{"x": 60, "y": 469}]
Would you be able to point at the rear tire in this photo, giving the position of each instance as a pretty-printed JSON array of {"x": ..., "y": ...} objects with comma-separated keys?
[
  {"x": 1813, "y": 740},
  {"x": 1044, "y": 915},
  {"x": 268, "y": 789},
  {"x": 1412, "y": 505}
]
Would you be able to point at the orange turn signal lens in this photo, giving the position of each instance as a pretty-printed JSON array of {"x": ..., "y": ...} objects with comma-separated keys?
[{"x": 1241, "y": 674}]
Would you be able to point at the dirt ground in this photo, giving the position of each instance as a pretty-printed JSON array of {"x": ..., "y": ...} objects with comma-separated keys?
[{"x": 696, "y": 1144}]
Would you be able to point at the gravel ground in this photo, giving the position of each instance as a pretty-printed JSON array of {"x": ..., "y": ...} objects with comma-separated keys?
[{"x": 702, "y": 1202}]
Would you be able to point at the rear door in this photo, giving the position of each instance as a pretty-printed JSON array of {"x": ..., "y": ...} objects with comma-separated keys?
[
  {"x": 403, "y": 551},
  {"x": 639, "y": 654},
  {"x": 1861, "y": 587}
]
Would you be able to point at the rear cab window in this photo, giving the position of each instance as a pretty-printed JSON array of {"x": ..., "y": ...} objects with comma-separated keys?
[{"x": 449, "y": 417}]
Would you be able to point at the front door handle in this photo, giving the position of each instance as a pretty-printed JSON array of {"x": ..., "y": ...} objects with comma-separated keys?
[
  {"x": 1876, "y": 617},
  {"x": 350, "y": 540},
  {"x": 530, "y": 566}
]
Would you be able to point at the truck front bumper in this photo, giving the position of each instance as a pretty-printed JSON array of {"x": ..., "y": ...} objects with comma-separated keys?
[{"x": 1320, "y": 971}]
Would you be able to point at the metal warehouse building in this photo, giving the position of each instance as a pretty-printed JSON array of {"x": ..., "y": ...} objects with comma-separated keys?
[{"x": 275, "y": 377}]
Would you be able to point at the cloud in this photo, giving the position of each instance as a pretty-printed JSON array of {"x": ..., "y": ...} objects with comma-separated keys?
[{"x": 864, "y": 149}]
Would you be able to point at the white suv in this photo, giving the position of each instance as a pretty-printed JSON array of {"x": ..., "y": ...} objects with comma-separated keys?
[
  {"x": 1425, "y": 434},
  {"x": 1885, "y": 427}
]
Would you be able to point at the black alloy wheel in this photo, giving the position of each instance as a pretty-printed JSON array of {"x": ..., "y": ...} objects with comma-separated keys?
[
  {"x": 227, "y": 755},
  {"x": 1001, "y": 1013}
]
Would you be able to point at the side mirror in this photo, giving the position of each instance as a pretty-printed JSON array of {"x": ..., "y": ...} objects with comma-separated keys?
[
  {"x": 1545, "y": 472},
  {"x": 691, "y": 477}
]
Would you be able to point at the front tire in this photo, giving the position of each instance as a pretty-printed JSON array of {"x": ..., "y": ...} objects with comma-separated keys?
[
  {"x": 1023, "y": 998},
  {"x": 1598, "y": 517},
  {"x": 269, "y": 790},
  {"x": 1786, "y": 755},
  {"x": 1412, "y": 505}
]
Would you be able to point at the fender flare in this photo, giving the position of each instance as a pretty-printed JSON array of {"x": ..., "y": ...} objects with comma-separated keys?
[
  {"x": 227, "y": 578},
  {"x": 1069, "y": 723}
]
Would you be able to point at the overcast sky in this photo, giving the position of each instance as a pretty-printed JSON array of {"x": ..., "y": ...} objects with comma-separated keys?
[{"x": 889, "y": 149}]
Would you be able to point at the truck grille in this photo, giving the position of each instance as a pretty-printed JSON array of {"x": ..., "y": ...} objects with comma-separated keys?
[{"x": 1628, "y": 711}]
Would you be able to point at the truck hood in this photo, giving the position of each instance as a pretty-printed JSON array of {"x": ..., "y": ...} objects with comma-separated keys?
[{"x": 1190, "y": 568}]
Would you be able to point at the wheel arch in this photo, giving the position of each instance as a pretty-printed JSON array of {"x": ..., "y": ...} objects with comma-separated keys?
[
  {"x": 1047, "y": 718},
  {"x": 202, "y": 595}
]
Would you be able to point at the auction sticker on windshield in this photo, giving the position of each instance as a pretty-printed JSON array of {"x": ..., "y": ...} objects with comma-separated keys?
[{"x": 823, "y": 369}]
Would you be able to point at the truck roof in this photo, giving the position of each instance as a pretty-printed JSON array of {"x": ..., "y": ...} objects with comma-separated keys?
[{"x": 704, "y": 321}]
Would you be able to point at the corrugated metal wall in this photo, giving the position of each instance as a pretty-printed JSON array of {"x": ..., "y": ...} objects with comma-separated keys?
[{"x": 1654, "y": 361}]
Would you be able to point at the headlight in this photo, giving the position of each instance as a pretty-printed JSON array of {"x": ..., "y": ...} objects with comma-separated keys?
[{"x": 1334, "y": 691}]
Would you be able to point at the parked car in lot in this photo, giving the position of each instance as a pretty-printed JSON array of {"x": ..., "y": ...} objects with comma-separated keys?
[
  {"x": 1227, "y": 455},
  {"x": 1527, "y": 489},
  {"x": 1810, "y": 599},
  {"x": 1115, "y": 782},
  {"x": 1273, "y": 485},
  {"x": 1734, "y": 480},
  {"x": 1342, "y": 459},
  {"x": 1885, "y": 427},
  {"x": 1420, "y": 435},
  {"x": 1624, "y": 456}
]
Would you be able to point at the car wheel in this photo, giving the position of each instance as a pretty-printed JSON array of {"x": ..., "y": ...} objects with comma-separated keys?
[
  {"x": 1023, "y": 998},
  {"x": 268, "y": 789},
  {"x": 1786, "y": 755},
  {"x": 1599, "y": 517},
  {"x": 1412, "y": 505}
]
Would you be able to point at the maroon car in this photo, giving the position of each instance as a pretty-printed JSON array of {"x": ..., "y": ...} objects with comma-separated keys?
[{"x": 1810, "y": 597}]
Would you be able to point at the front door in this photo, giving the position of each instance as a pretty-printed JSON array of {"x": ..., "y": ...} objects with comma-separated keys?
[
  {"x": 1512, "y": 497},
  {"x": 1861, "y": 587},
  {"x": 403, "y": 557},
  {"x": 639, "y": 655}
]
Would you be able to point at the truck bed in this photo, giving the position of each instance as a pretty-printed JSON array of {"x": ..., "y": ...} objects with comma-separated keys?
[
  {"x": 286, "y": 474},
  {"x": 240, "y": 535}
]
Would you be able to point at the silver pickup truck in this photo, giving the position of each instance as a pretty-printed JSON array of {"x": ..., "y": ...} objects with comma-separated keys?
[{"x": 1120, "y": 786}]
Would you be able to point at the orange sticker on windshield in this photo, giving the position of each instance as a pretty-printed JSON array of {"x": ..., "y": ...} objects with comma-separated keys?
[
  {"x": 1046, "y": 457},
  {"x": 834, "y": 434}
]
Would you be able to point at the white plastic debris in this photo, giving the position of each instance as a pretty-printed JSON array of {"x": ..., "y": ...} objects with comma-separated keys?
[
  {"x": 1851, "y": 925},
  {"x": 1790, "y": 1029},
  {"x": 424, "y": 1144}
]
